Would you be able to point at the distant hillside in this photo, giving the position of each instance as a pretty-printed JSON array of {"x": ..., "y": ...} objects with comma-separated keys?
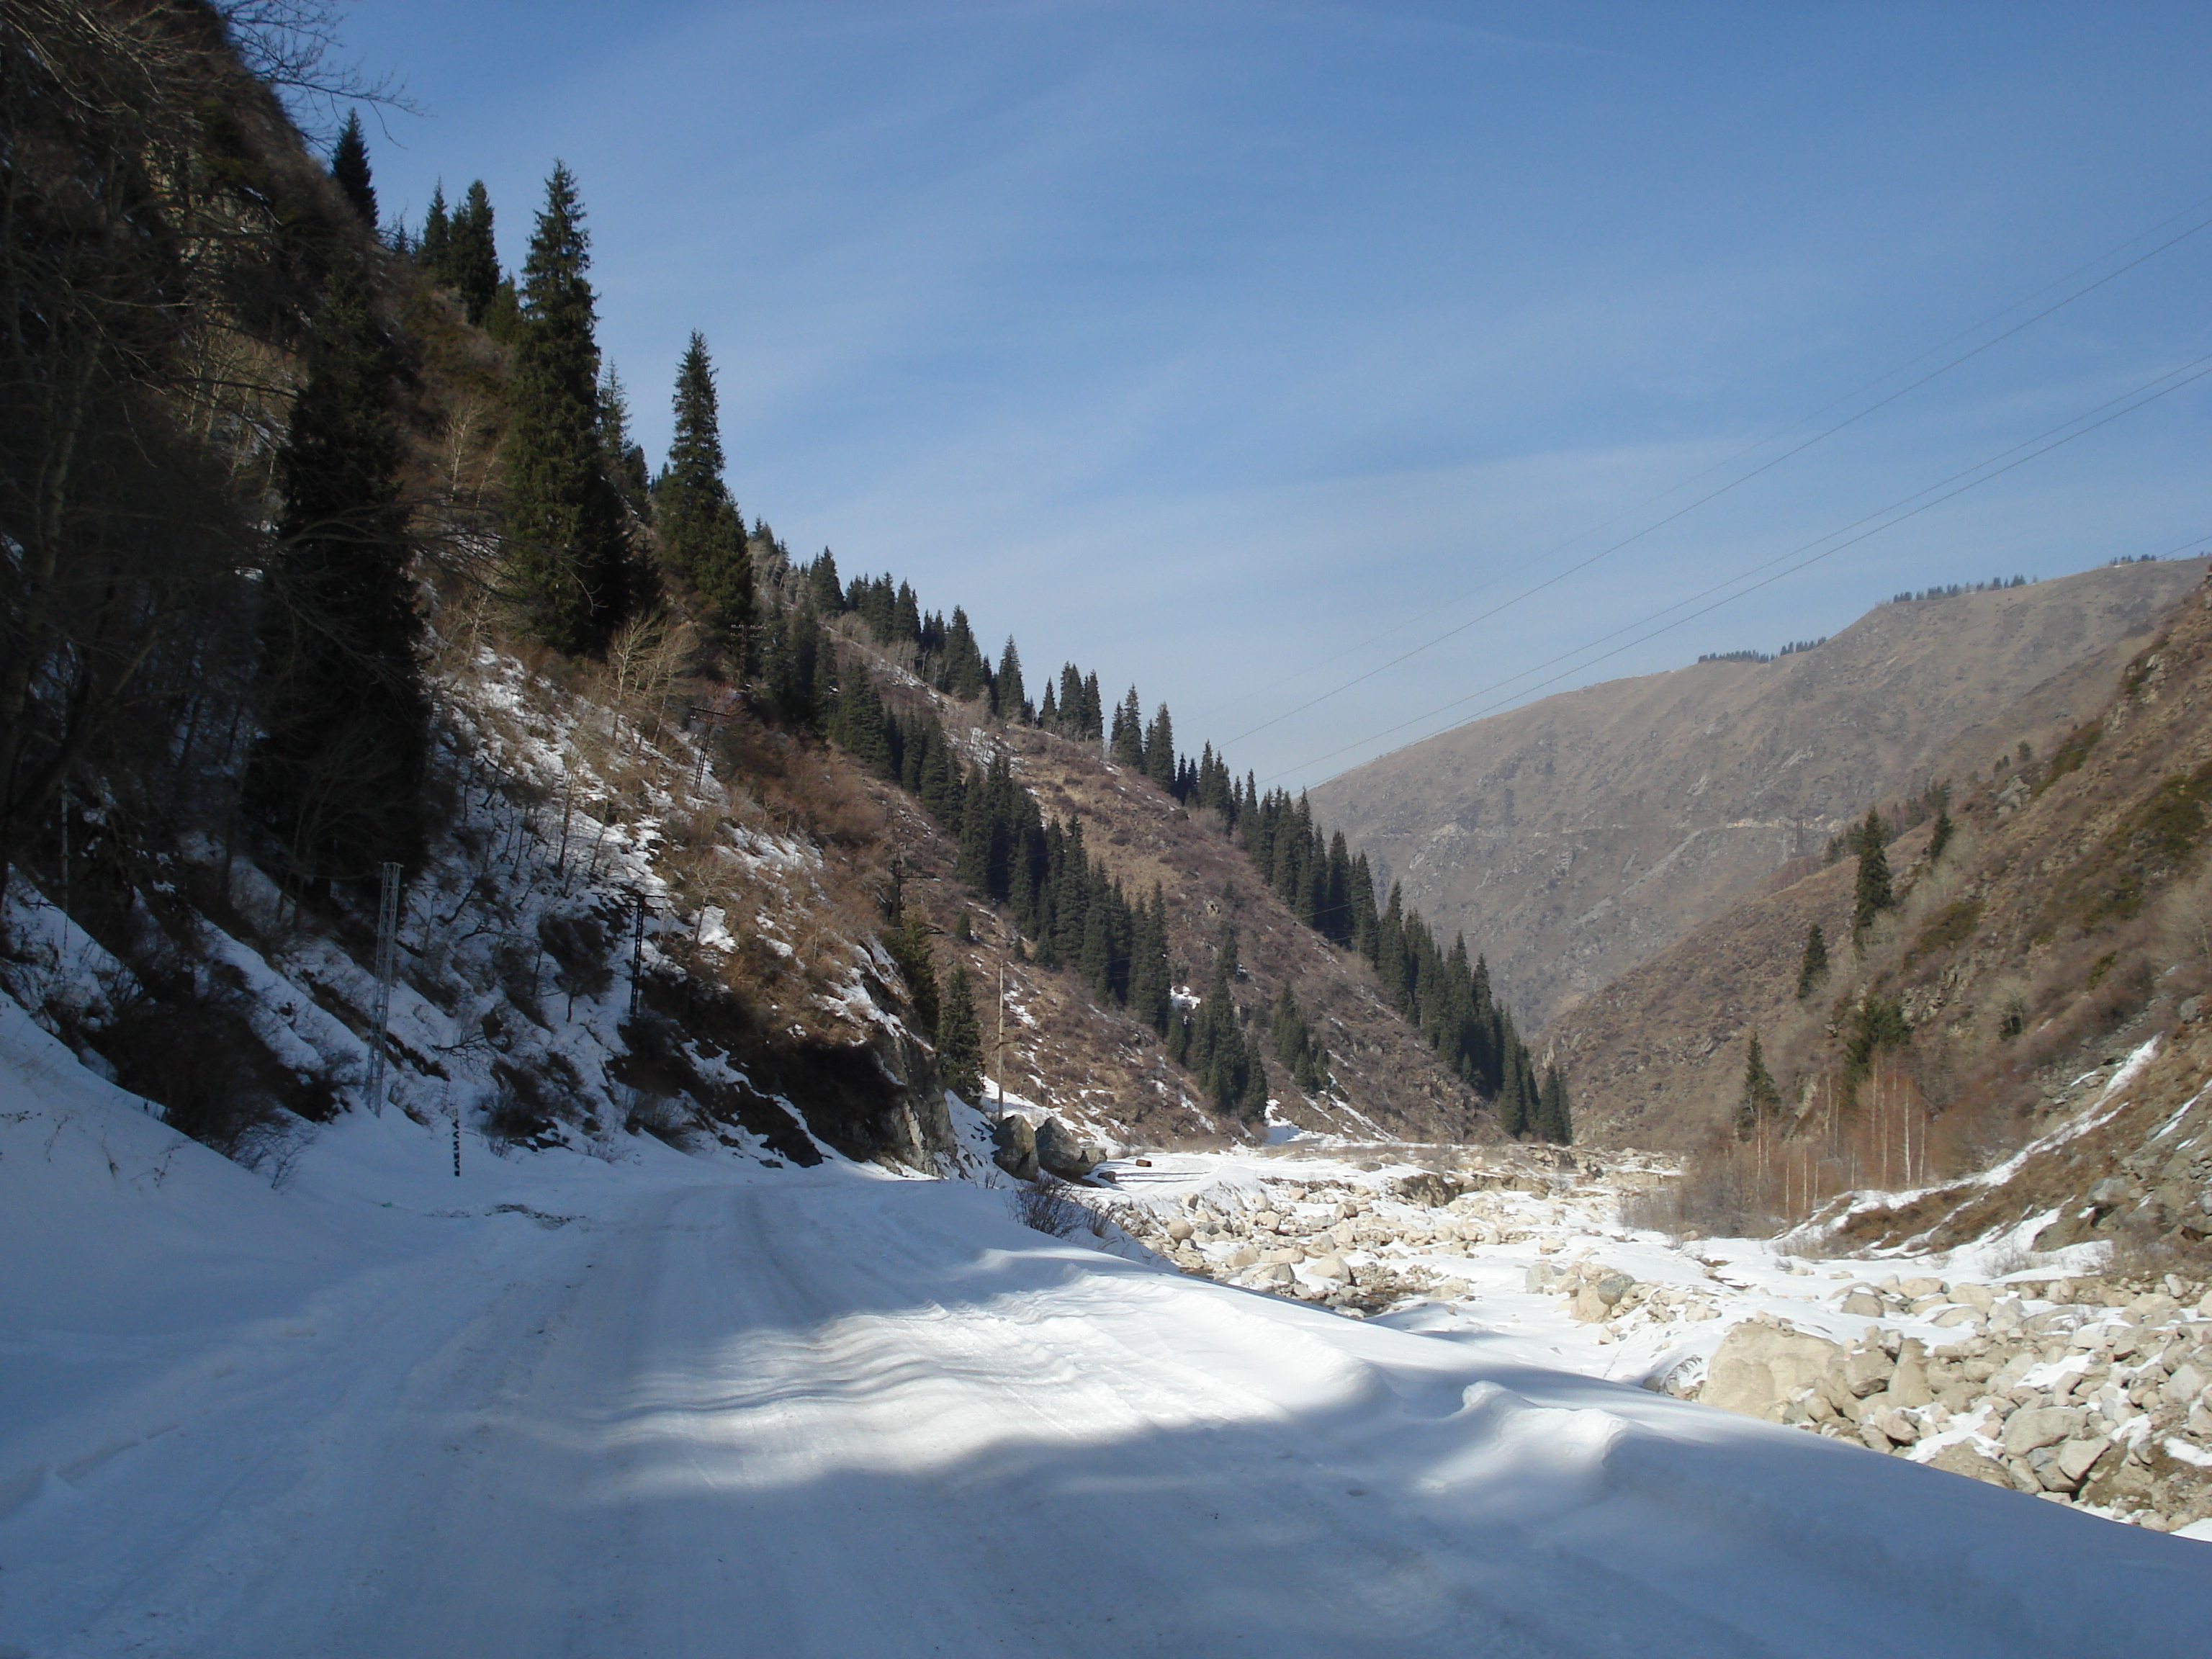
[
  {"x": 2068, "y": 920},
  {"x": 1574, "y": 838}
]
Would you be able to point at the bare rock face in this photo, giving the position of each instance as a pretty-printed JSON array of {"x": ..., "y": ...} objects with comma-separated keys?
[{"x": 1759, "y": 1366}]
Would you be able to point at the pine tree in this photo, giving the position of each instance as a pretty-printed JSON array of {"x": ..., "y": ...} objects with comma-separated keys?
[
  {"x": 338, "y": 772},
  {"x": 1759, "y": 1101},
  {"x": 472, "y": 258},
  {"x": 565, "y": 553},
  {"x": 1874, "y": 894},
  {"x": 433, "y": 254},
  {"x": 349, "y": 167},
  {"x": 1940, "y": 836},
  {"x": 1512, "y": 1099},
  {"x": 908, "y": 946},
  {"x": 1007, "y": 692},
  {"x": 959, "y": 1039},
  {"x": 1129, "y": 745},
  {"x": 1159, "y": 750},
  {"x": 1151, "y": 987},
  {"x": 1094, "y": 711},
  {"x": 701, "y": 532},
  {"x": 622, "y": 455},
  {"x": 1812, "y": 968},
  {"x": 1554, "y": 1117}
]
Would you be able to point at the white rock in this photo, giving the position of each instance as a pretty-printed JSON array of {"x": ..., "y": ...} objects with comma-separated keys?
[
  {"x": 2032, "y": 1427},
  {"x": 2076, "y": 1456},
  {"x": 1757, "y": 1366}
]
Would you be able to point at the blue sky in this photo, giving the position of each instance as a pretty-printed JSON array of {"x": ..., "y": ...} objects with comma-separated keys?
[{"x": 1202, "y": 343}]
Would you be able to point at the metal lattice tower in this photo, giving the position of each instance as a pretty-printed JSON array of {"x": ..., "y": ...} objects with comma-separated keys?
[{"x": 388, "y": 968}]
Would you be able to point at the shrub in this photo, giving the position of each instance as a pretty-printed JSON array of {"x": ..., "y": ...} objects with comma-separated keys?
[
  {"x": 1953, "y": 924},
  {"x": 1044, "y": 1204}
]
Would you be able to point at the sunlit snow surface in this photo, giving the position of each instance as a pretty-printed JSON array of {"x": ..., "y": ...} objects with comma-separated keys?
[{"x": 665, "y": 1408}]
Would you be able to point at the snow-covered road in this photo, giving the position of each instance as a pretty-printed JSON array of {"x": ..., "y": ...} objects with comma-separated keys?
[{"x": 837, "y": 1414}]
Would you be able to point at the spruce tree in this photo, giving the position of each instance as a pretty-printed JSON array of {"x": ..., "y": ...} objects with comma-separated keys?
[
  {"x": 907, "y": 945},
  {"x": 1007, "y": 692},
  {"x": 1940, "y": 836},
  {"x": 959, "y": 1039},
  {"x": 349, "y": 167},
  {"x": 1151, "y": 989},
  {"x": 1874, "y": 894},
  {"x": 565, "y": 553},
  {"x": 1758, "y": 1102},
  {"x": 1159, "y": 750},
  {"x": 1812, "y": 967},
  {"x": 472, "y": 257},
  {"x": 622, "y": 455},
  {"x": 700, "y": 534},
  {"x": 1512, "y": 1098},
  {"x": 337, "y": 774},
  {"x": 433, "y": 254},
  {"x": 1554, "y": 1117},
  {"x": 1129, "y": 743}
]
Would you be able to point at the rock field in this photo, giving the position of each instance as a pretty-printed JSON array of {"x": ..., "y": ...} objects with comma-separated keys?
[{"x": 2051, "y": 1377}]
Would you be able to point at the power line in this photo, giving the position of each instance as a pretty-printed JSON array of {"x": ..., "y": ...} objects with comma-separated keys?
[
  {"x": 1766, "y": 466},
  {"x": 2142, "y": 395}
]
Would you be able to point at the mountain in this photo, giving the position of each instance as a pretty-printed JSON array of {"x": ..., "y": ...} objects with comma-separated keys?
[
  {"x": 1574, "y": 838},
  {"x": 2066, "y": 923},
  {"x": 653, "y": 876}
]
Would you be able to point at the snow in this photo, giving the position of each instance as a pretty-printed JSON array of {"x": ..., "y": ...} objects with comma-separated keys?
[{"x": 654, "y": 1404}]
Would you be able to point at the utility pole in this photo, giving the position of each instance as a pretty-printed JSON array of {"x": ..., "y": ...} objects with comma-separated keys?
[
  {"x": 999, "y": 1048},
  {"x": 387, "y": 966}
]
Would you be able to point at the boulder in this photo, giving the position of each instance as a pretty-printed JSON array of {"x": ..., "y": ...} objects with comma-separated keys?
[
  {"x": 2078, "y": 1456},
  {"x": 1179, "y": 1229},
  {"x": 2032, "y": 1427},
  {"x": 1331, "y": 1267},
  {"x": 1757, "y": 1366},
  {"x": 1960, "y": 1458},
  {"x": 1429, "y": 1189},
  {"x": 1062, "y": 1153},
  {"x": 1863, "y": 1304},
  {"x": 1015, "y": 1138},
  {"x": 1612, "y": 1287},
  {"x": 1866, "y": 1370},
  {"x": 1588, "y": 1306},
  {"x": 1908, "y": 1383}
]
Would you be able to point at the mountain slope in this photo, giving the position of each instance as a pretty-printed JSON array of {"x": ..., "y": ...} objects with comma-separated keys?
[
  {"x": 1573, "y": 838},
  {"x": 2066, "y": 923},
  {"x": 1064, "y": 1051}
]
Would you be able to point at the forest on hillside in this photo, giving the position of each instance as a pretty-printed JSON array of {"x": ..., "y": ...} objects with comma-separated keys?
[{"x": 263, "y": 453}]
